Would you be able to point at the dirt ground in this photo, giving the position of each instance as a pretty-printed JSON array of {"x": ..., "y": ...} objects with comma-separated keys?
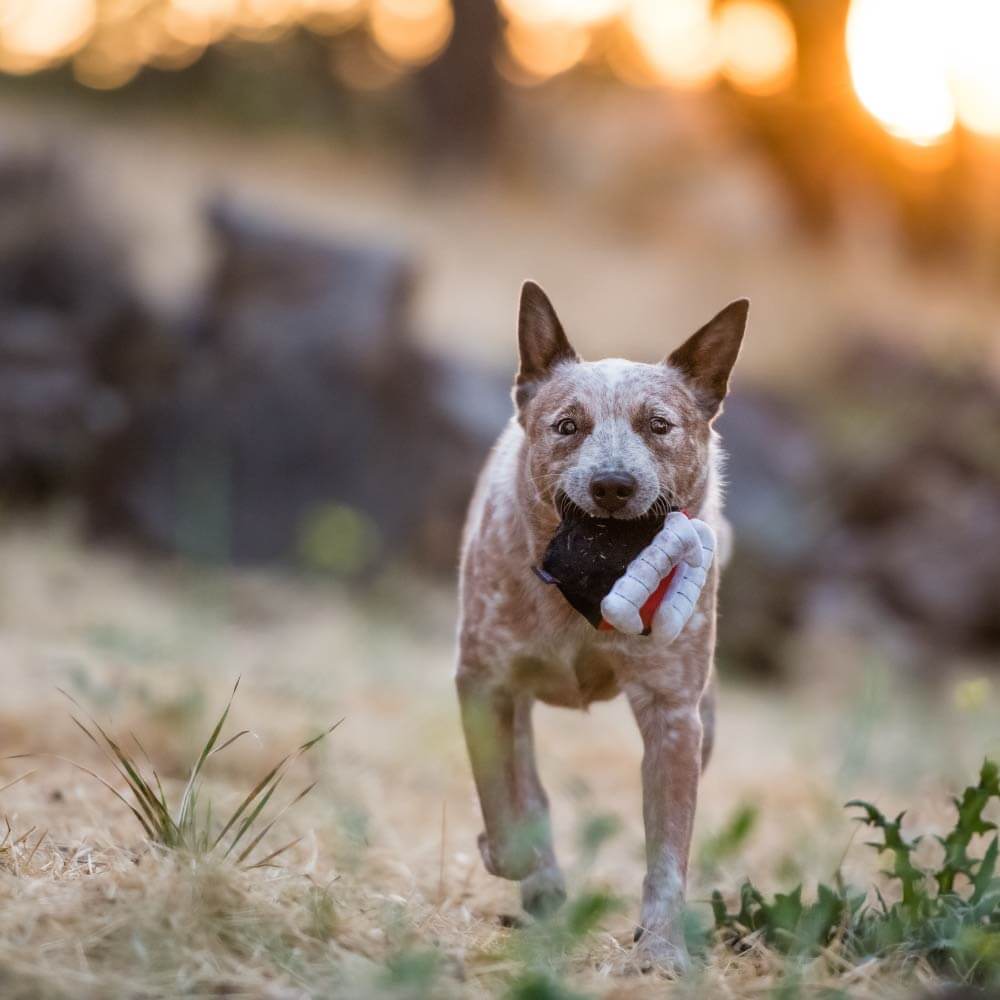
[{"x": 387, "y": 867}]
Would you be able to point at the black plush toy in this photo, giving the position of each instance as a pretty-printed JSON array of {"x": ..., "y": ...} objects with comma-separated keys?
[{"x": 588, "y": 554}]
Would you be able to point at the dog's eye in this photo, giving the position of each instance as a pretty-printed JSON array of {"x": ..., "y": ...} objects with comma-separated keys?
[
  {"x": 566, "y": 426},
  {"x": 659, "y": 426}
]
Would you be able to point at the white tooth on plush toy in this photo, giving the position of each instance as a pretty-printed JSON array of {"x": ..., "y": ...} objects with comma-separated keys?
[
  {"x": 706, "y": 536},
  {"x": 620, "y": 610},
  {"x": 646, "y": 573},
  {"x": 682, "y": 595},
  {"x": 677, "y": 543},
  {"x": 632, "y": 590},
  {"x": 622, "y": 614},
  {"x": 655, "y": 557}
]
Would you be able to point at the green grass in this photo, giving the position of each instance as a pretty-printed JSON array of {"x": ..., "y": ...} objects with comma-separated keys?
[{"x": 946, "y": 915}]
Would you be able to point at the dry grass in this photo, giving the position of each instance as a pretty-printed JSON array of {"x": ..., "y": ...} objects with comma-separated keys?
[{"x": 384, "y": 894}]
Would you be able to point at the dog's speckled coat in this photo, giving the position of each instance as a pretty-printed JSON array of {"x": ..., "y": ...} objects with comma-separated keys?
[{"x": 520, "y": 641}]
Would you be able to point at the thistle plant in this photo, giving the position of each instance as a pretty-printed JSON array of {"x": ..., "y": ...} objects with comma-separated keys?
[{"x": 948, "y": 915}]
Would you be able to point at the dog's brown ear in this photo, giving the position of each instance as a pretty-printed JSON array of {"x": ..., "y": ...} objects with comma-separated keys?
[
  {"x": 707, "y": 357},
  {"x": 541, "y": 342}
]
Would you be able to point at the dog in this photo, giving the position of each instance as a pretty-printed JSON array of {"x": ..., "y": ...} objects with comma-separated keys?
[{"x": 615, "y": 438}]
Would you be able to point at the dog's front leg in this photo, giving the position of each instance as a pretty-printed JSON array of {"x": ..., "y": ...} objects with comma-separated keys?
[
  {"x": 516, "y": 844},
  {"x": 671, "y": 765},
  {"x": 544, "y": 890}
]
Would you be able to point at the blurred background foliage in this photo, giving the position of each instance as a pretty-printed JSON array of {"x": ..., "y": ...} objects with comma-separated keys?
[{"x": 259, "y": 261}]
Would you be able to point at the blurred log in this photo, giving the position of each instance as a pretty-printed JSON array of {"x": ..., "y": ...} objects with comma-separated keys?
[
  {"x": 306, "y": 426},
  {"x": 461, "y": 88}
]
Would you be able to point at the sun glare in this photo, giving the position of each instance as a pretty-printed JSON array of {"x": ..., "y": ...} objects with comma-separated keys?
[
  {"x": 899, "y": 66},
  {"x": 921, "y": 65},
  {"x": 976, "y": 64}
]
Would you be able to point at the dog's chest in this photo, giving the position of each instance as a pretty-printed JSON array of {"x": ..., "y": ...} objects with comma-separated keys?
[
  {"x": 567, "y": 681},
  {"x": 535, "y": 641}
]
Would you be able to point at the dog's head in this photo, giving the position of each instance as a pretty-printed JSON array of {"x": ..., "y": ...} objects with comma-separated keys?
[{"x": 620, "y": 438}]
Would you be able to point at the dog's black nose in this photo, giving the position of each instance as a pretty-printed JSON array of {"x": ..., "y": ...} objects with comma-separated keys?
[{"x": 612, "y": 490}]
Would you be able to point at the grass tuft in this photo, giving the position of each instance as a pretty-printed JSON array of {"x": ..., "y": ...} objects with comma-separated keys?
[{"x": 189, "y": 826}]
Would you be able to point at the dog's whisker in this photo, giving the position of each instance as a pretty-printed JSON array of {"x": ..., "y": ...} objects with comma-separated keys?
[{"x": 545, "y": 478}]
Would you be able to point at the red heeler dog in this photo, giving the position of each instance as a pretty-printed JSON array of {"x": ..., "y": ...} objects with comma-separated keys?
[{"x": 616, "y": 439}]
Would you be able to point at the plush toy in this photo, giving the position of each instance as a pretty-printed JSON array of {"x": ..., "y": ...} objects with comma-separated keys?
[{"x": 631, "y": 575}]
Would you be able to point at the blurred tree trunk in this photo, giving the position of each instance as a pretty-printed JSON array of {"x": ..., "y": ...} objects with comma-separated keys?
[
  {"x": 825, "y": 145},
  {"x": 802, "y": 130},
  {"x": 461, "y": 89}
]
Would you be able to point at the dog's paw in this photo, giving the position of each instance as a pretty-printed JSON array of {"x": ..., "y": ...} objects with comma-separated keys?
[
  {"x": 657, "y": 952},
  {"x": 543, "y": 892}
]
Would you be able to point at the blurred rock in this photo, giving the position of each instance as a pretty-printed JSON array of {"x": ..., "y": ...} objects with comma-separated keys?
[
  {"x": 917, "y": 484},
  {"x": 776, "y": 477},
  {"x": 870, "y": 509},
  {"x": 72, "y": 333},
  {"x": 306, "y": 425}
]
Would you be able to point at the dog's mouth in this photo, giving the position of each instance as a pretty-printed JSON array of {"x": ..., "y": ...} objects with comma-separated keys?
[{"x": 567, "y": 509}]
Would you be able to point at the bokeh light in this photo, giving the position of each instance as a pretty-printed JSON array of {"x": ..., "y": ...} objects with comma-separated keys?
[
  {"x": 362, "y": 67},
  {"x": 105, "y": 65},
  {"x": 331, "y": 17},
  {"x": 920, "y": 67},
  {"x": 678, "y": 40},
  {"x": 561, "y": 12},
  {"x": 976, "y": 64},
  {"x": 37, "y": 33},
  {"x": 757, "y": 46},
  {"x": 339, "y": 540},
  {"x": 899, "y": 65},
  {"x": 411, "y": 32},
  {"x": 200, "y": 22},
  {"x": 543, "y": 51}
]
